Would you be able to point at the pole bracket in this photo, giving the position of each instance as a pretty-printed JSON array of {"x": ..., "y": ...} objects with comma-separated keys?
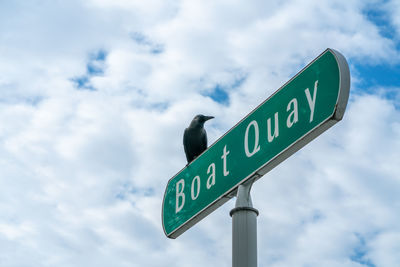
[{"x": 243, "y": 208}]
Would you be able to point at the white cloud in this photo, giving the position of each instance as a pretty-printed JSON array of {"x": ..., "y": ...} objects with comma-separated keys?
[
  {"x": 82, "y": 172},
  {"x": 393, "y": 9}
]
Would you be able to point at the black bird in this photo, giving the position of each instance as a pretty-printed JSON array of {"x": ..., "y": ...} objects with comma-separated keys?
[{"x": 195, "y": 137}]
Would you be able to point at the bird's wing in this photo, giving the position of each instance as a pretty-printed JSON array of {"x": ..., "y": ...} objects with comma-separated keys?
[
  {"x": 204, "y": 140},
  {"x": 186, "y": 144}
]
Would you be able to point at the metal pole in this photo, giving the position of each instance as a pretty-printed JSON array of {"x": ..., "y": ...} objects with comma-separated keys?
[{"x": 244, "y": 229}]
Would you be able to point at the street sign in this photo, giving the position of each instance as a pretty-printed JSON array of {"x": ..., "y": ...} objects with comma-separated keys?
[{"x": 303, "y": 108}]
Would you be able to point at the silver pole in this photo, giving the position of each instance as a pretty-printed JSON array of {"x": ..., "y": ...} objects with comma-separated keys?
[{"x": 244, "y": 229}]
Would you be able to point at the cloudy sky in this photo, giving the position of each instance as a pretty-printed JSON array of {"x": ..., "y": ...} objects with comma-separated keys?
[{"x": 94, "y": 97}]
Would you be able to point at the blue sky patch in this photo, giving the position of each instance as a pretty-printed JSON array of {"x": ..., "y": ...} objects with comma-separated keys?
[
  {"x": 15, "y": 99},
  {"x": 360, "y": 252},
  {"x": 94, "y": 67},
  {"x": 144, "y": 41},
  {"x": 81, "y": 82},
  {"x": 99, "y": 56},
  {"x": 379, "y": 16},
  {"x": 378, "y": 75},
  {"x": 219, "y": 95},
  {"x": 140, "y": 38},
  {"x": 127, "y": 189},
  {"x": 220, "y": 92}
]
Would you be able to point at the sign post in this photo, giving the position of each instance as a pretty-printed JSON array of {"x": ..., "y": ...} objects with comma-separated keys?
[
  {"x": 306, "y": 106},
  {"x": 244, "y": 229}
]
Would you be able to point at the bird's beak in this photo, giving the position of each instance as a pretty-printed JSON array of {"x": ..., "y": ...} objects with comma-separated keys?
[{"x": 206, "y": 118}]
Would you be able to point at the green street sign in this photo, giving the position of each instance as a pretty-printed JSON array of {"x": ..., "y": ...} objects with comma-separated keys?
[{"x": 303, "y": 108}]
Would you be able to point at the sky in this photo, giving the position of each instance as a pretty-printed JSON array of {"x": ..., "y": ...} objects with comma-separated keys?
[{"x": 94, "y": 98}]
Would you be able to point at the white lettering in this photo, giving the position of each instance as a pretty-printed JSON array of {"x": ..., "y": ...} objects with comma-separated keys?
[
  {"x": 311, "y": 101},
  {"x": 180, "y": 194},
  {"x": 193, "y": 195},
  {"x": 211, "y": 178},
  {"x": 294, "y": 115},
  {"x": 276, "y": 128},
  {"x": 246, "y": 141},
  {"x": 223, "y": 157}
]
